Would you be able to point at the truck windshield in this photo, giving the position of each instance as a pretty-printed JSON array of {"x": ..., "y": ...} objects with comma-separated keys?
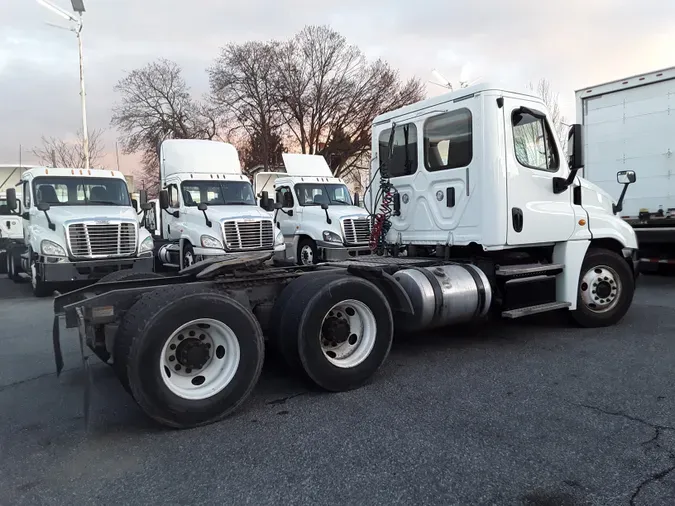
[
  {"x": 337, "y": 194},
  {"x": 218, "y": 193},
  {"x": 80, "y": 191}
]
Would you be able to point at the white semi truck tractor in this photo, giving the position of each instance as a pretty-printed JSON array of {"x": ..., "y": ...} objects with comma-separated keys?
[
  {"x": 207, "y": 207},
  {"x": 78, "y": 226},
  {"x": 477, "y": 214},
  {"x": 317, "y": 215}
]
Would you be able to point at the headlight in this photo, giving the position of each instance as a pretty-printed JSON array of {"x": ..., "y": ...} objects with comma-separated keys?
[
  {"x": 147, "y": 245},
  {"x": 279, "y": 238},
  {"x": 329, "y": 236},
  {"x": 52, "y": 249},
  {"x": 211, "y": 242}
]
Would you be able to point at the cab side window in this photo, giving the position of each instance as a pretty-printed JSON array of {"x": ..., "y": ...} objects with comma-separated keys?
[
  {"x": 26, "y": 195},
  {"x": 174, "y": 202},
  {"x": 285, "y": 196},
  {"x": 448, "y": 140},
  {"x": 534, "y": 143}
]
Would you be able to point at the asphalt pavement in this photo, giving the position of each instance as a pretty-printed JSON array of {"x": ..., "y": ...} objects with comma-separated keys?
[{"x": 530, "y": 412}]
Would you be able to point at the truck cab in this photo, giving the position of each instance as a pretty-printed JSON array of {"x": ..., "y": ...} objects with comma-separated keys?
[
  {"x": 78, "y": 225},
  {"x": 479, "y": 171},
  {"x": 318, "y": 217},
  {"x": 208, "y": 207}
]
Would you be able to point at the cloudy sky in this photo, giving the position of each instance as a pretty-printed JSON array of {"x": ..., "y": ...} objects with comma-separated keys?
[{"x": 573, "y": 43}]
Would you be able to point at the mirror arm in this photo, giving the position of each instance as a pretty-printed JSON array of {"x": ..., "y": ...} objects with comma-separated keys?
[
  {"x": 561, "y": 184},
  {"x": 328, "y": 220},
  {"x": 618, "y": 207},
  {"x": 208, "y": 222},
  {"x": 49, "y": 222},
  {"x": 175, "y": 214}
]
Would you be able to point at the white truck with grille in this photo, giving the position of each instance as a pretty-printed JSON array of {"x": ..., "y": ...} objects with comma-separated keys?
[
  {"x": 317, "y": 216},
  {"x": 207, "y": 206},
  {"x": 78, "y": 226}
]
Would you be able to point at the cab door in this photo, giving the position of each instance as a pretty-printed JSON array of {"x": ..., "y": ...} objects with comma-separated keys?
[
  {"x": 533, "y": 159},
  {"x": 287, "y": 224}
]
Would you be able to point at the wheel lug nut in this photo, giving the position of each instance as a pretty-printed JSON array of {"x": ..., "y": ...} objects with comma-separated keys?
[
  {"x": 177, "y": 368},
  {"x": 202, "y": 337},
  {"x": 172, "y": 358},
  {"x": 173, "y": 347},
  {"x": 181, "y": 337},
  {"x": 188, "y": 370}
]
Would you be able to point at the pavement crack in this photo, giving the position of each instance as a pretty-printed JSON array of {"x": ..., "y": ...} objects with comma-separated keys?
[
  {"x": 654, "y": 477},
  {"x": 283, "y": 400},
  {"x": 658, "y": 430},
  {"x": 34, "y": 378}
]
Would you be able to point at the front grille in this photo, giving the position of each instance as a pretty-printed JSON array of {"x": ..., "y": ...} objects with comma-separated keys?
[
  {"x": 92, "y": 240},
  {"x": 243, "y": 235},
  {"x": 357, "y": 230}
]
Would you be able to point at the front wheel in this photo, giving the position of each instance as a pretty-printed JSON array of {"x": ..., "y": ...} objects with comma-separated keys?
[
  {"x": 191, "y": 356},
  {"x": 13, "y": 263},
  {"x": 40, "y": 287},
  {"x": 606, "y": 287},
  {"x": 307, "y": 252},
  {"x": 188, "y": 256},
  {"x": 3, "y": 263}
]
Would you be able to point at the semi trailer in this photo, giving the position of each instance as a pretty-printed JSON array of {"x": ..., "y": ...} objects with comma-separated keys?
[
  {"x": 477, "y": 214},
  {"x": 78, "y": 225},
  {"x": 629, "y": 124}
]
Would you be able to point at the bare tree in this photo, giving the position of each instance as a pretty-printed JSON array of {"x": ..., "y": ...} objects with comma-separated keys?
[
  {"x": 242, "y": 88},
  {"x": 56, "y": 152},
  {"x": 156, "y": 104},
  {"x": 551, "y": 100},
  {"x": 328, "y": 95}
]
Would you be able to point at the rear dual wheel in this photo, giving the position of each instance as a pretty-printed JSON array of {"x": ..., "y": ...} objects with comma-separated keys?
[
  {"x": 335, "y": 328},
  {"x": 190, "y": 356}
]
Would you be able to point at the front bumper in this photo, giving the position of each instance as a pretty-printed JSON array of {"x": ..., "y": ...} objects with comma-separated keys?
[
  {"x": 91, "y": 270},
  {"x": 332, "y": 252},
  {"x": 631, "y": 255}
]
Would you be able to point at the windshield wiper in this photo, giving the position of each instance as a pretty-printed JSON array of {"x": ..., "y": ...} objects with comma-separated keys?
[
  {"x": 337, "y": 201},
  {"x": 104, "y": 202}
]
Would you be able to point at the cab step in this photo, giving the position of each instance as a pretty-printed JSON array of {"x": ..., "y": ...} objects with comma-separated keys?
[
  {"x": 539, "y": 308},
  {"x": 528, "y": 269}
]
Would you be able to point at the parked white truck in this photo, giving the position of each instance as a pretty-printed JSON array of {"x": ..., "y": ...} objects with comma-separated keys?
[
  {"x": 317, "y": 216},
  {"x": 78, "y": 226},
  {"x": 207, "y": 206},
  {"x": 629, "y": 124},
  {"x": 486, "y": 216}
]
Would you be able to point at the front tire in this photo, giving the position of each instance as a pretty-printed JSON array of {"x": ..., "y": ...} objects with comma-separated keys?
[
  {"x": 12, "y": 271},
  {"x": 188, "y": 256},
  {"x": 201, "y": 384},
  {"x": 40, "y": 287},
  {"x": 605, "y": 290},
  {"x": 308, "y": 254},
  {"x": 3, "y": 263}
]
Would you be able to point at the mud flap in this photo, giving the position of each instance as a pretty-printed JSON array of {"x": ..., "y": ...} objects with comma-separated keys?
[
  {"x": 86, "y": 369},
  {"x": 56, "y": 340}
]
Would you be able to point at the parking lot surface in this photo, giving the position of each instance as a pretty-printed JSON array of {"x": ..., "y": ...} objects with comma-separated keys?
[{"x": 533, "y": 412}]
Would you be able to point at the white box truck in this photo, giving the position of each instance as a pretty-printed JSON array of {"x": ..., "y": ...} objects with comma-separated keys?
[
  {"x": 317, "y": 215},
  {"x": 629, "y": 124}
]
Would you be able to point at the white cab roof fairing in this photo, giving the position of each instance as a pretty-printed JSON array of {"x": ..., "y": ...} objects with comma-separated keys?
[
  {"x": 306, "y": 165},
  {"x": 193, "y": 155}
]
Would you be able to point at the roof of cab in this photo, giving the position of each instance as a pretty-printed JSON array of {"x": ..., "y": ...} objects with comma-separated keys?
[
  {"x": 69, "y": 171},
  {"x": 453, "y": 96}
]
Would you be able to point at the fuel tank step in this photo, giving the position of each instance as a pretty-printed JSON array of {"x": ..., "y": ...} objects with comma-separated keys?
[
  {"x": 540, "y": 308},
  {"x": 528, "y": 269}
]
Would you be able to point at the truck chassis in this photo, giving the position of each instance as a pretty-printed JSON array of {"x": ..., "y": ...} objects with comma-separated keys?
[{"x": 190, "y": 347}]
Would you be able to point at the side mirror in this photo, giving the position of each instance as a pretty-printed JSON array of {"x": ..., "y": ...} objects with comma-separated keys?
[
  {"x": 142, "y": 197},
  {"x": 574, "y": 147},
  {"x": 625, "y": 177},
  {"x": 134, "y": 203},
  {"x": 202, "y": 206},
  {"x": 324, "y": 206},
  {"x": 43, "y": 206},
  {"x": 277, "y": 205},
  {"x": 146, "y": 206},
  {"x": 11, "y": 199},
  {"x": 357, "y": 199},
  {"x": 164, "y": 199},
  {"x": 265, "y": 200}
]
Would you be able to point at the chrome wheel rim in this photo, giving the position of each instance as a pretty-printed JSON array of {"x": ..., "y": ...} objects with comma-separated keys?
[
  {"x": 600, "y": 289},
  {"x": 348, "y": 333},
  {"x": 199, "y": 359}
]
